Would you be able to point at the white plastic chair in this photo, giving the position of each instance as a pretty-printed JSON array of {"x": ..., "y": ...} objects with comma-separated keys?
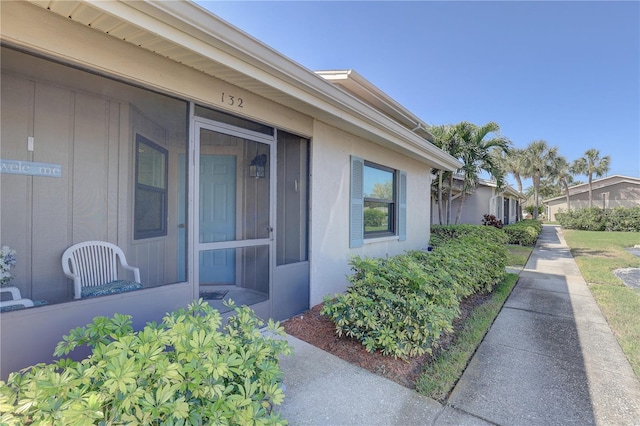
[
  {"x": 16, "y": 298},
  {"x": 93, "y": 264}
]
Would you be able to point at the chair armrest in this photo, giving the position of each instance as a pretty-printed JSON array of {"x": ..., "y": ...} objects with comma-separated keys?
[
  {"x": 77, "y": 282},
  {"x": 15, "y": 292},
  {"x": 135, "y": 270}
]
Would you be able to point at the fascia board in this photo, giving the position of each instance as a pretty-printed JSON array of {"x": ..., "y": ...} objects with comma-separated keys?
[
  {"x": 597, "y": 184},
  {"x": 360, "y": 86},
  {"x": 601, "y": 183},
  {"x": 197, "y": 30}
]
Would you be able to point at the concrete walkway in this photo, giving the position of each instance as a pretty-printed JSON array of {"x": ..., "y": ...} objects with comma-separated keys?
[{"x": 549, "y": 359}]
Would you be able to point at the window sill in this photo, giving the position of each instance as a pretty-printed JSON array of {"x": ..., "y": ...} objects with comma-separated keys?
[{"x": 374, "y": 240}]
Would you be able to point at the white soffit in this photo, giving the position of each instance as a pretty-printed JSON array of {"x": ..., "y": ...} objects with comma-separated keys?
[
  {"x": 363, "y": 89},
  {"x": 188, "y": 34}
]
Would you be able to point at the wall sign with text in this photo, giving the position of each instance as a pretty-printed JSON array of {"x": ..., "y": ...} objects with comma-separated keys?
[{"x": 30, "y": 168}]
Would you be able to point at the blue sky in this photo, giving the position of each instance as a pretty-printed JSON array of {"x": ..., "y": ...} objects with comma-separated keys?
[{"x": 566, "y": 72}]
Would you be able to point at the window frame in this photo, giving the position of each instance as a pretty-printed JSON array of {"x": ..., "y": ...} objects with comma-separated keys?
[
  {"x": 357, "y": 235},
  {"x": 161, "y": 231},
  {"x": 392, "y": 204}
]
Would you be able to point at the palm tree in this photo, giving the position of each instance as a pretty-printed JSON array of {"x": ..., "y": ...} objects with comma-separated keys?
[
  {"x": 478, "y": 154},
  {"x": 540, "y": 161},
  {"x": 513, "y": 162},
  {"x": 444, "y": 138},
  {"x": 591, "y": 164},
  {"x": 563, "y": 175}
]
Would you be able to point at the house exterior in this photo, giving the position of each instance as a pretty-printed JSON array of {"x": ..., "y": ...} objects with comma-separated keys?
[
  {"x": 504, "y": 204},
  {"x": 218, "y": 165},
  {"x": 608, "y": 193}
]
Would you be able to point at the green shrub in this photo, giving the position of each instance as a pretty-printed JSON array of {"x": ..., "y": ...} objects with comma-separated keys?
[
  {"x": 623, "y": 219},
  {"x": 596, "y": 219},
  {"x": 402, "y": 305},
  {"x": 587, "y": 219},
  {"x": 440, "y": 234},
  {"x": 189, "y": 370},
  {"x": 374, "y": 218},
  {"x": 524, "y": 233}
]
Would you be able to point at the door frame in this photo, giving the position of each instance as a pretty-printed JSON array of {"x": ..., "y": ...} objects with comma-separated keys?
[{"x": 263, "y": 309}]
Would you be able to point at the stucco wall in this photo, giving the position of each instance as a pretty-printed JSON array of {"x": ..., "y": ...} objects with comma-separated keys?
[
  {"x": 475, "y": 206},
  {"x": 621, "y": 194},
  {"x": 330, "y": 183}
]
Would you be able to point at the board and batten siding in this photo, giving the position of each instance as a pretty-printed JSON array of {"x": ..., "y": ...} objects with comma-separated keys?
[{"x": 74, "y": 130}]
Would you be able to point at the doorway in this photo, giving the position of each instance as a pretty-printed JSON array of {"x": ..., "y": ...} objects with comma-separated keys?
[
  {"x": 251, "y": 215},
  {"x": 233, "y": 209}
]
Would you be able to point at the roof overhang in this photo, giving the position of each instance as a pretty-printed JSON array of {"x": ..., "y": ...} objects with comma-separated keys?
[
  {"x": 190, "y": 35},
  {"x": 596, "y": 184},
  {"x": 363, "y": 89}
]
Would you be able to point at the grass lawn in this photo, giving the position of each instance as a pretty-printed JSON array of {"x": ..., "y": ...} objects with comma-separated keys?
[
  {"x": 438, "y": 378},
  {"x": 518, "y": 255},
  {"x": 597, "y": 255}
]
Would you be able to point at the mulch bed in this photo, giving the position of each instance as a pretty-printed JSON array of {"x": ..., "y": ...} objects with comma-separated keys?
[{"x": 319, "y": 331}]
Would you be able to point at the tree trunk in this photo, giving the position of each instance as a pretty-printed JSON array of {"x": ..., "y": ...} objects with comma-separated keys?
[
  {"x": 590, "y": 199},
  {"x": 536, "y": 188},
  {"x": 449, "y": 197},
  {"x": 519, "y": 182},
  {"x": 566, "y": 189},
  {"x": 459, "y": 213},
  {"x": 440, "y": 197}
]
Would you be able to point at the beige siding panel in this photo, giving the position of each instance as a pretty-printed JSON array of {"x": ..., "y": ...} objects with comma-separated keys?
[
  {"x": 90, "y": 169},
  {"x": 145, "y": 252},
  {"x": 114, "y": 129},
  {"x": 53, "y": 126},
  {"x": 15, "y": 209}
]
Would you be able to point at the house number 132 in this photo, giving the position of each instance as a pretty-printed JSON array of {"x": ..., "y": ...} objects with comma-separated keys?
[{"x": 231, "y": 100}]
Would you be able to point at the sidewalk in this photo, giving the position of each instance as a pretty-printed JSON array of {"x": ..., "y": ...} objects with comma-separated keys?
[{"x": 549, "y": 359}]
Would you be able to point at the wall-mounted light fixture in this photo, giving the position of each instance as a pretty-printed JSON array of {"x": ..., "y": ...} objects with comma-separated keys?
[{"x": 257, "y": 166}]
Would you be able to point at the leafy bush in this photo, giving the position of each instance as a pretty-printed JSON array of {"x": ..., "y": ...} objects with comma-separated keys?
[
  {"x": 596, "y": 219},
  {"x": 531, "y": 208},
  {"x": 374, "y": 218},
  {"x": 441, "y": 234},
  {"x": 587, "y": 219},
  {"x": 402, "y": 305},
  {"x": 186, "y": 371},
  {"x": 524, "y": 233},
  {"x": 491, "y": 220},
  {"x": 623, "y": 219}
]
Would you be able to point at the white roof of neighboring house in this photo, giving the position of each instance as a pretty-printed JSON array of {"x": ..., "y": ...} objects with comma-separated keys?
[
  {"x": 596, "y": 184},
  {"x": 189, "y": 34}
]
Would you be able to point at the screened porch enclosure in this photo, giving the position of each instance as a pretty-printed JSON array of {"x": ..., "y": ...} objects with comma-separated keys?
[
  {"x": 117, "y": 149},
  {"x": 225, "y": 214}
]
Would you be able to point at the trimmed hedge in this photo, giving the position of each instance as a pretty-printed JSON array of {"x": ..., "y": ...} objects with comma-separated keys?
[
  {"x": 596, "y": 219},
  {"x": 524, "y": 233},
  {"x": 440, "y": 234},
  {"x": 189, "y": 370},
  {"x": 402, "y": 305}
]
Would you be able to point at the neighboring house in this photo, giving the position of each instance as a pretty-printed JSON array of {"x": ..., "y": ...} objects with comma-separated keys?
[
  {"x": 212, "y": 160},
  {"x": 608, "y": 193},
  {"x": 486, "y": 199}
]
